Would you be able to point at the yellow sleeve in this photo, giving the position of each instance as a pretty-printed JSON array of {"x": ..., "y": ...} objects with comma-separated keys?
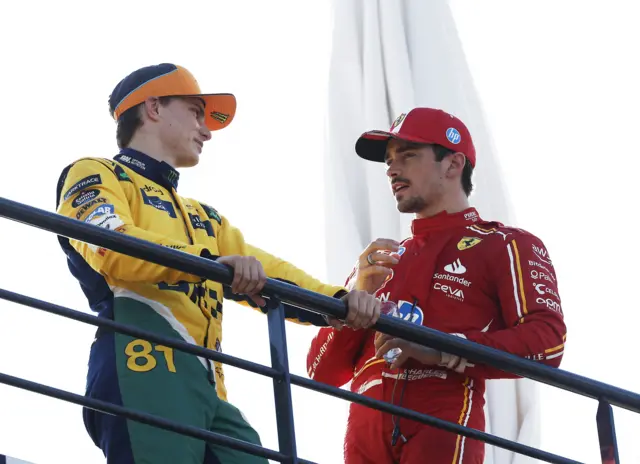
[
  {"x": 91, "y": 192},
  {"x": 231, "y": 242}
]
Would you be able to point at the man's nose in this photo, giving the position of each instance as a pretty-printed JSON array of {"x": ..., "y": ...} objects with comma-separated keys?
[
  {"x": 206, "y": 133},
  {"x": 392, "y": 171}
]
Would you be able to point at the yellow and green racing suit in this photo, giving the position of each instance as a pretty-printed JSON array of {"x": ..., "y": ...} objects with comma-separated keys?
[{"x": 136, "y": 195}]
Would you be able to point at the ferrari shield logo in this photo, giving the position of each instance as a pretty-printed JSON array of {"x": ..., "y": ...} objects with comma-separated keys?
[
  {"x": 468, "y": 242},
  {"x": 395, "y": 127}
]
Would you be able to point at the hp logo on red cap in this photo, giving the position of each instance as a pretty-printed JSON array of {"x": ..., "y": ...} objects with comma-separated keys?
[{"x": 453, "y": 136}]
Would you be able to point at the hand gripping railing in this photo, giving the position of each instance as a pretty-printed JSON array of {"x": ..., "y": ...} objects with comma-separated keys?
[{"x": 277, "y": 293}]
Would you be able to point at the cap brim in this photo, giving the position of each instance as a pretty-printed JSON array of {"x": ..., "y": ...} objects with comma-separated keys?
[
  {"x": 372, "y": 145},
  {"x": 219, "y": 109}
]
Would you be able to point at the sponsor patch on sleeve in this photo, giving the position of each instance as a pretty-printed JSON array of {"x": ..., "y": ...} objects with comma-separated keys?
[
  {"x": 121, "y": 174},
  {"x": 93, "y": 179},
  {"x": 102, "y": 210},
  {"x": 212, "y": 213},
  {"x": 110, "y": 221},
  {"x": 106, "y": 221},
  {"x": 84, "y": 197},
  {"x": 177, "y": 247},
  {"x": 87, "y": 206}
]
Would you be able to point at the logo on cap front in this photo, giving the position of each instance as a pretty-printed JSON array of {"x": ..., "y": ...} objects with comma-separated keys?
[
  {"x": 395, "y": 127},
  {"x": 453, "y": 136},
  {"x": 220, "y": 117}
]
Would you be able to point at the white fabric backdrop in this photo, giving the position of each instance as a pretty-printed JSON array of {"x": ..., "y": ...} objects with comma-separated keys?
[
  {"x": 389, "y": 56},
  {"x": 10, "y": 460}
]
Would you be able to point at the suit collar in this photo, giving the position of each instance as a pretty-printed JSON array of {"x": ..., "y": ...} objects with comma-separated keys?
[{"x": 158, "y": 171}]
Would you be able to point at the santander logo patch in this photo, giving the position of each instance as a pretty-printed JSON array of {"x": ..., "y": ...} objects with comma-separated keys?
[{"x": 456, "y": 267}]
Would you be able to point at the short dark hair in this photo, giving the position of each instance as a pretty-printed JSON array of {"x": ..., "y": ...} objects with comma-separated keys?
[
  {"x": 467, "y": 171},
  {"x": 130, "y": 121}
]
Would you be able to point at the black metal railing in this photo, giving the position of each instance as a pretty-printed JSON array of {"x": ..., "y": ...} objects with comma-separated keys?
[{"x": 277, "y": 293}]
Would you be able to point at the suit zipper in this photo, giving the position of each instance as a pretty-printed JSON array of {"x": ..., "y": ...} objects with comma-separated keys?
[
  {"x": 395, "y": 420},
  {"x": 184, "y": 221},
  {"x": 198, "y": 289},
  {"x": 210, "y": 374}
]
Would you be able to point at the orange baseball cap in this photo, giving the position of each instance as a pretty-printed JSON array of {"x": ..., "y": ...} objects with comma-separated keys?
[{"x": 170, "y": 80}]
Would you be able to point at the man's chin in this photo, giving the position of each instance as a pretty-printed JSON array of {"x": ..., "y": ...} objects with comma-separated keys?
[
  {"x": 189, "y": 161},
  {"x": 409, "y": 205},
  {"x": 403, "y": 208}
]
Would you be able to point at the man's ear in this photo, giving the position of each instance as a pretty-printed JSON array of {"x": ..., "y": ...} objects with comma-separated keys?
[
  {"x": 456, "y": 165},
  {"x": 150, "y": 109}
]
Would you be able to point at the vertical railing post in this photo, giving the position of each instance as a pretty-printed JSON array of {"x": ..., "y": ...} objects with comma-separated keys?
[
  {"x": 607, "y": 434},
  {"x": 281, "y": 384}
]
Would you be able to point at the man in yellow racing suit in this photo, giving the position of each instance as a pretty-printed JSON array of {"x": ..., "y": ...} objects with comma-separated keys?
[{"x": 135, "y": 193}]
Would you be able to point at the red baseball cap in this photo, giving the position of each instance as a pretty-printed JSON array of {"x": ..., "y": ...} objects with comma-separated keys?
[{"x": 420, "y": 125}]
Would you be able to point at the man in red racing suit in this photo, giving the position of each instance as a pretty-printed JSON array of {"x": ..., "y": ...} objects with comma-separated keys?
[{"x": 458, "y": 274}]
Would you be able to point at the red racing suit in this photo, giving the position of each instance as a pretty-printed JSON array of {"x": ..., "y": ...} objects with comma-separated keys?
[{"x": 458, "y": 274}]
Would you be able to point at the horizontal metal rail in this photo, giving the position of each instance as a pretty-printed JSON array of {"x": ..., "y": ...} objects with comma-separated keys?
[
  {"x": 266, "y": 371},
  {"x": 318, "y": 303},
  {"x": 176, "y": 343},
  {"x": 430, "y": 420},
  {"x": 149, "y": 419}
]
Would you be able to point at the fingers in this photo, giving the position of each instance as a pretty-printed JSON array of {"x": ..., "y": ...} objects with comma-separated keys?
[
  {"x": 232, "y": 261},
  {"x": 249, "y": 277},
  {"x": 400, "y": 360},
  {"x": 383, "y": 244},
  {"x": 381, "y": 339},
  {"x": 384, "y": 343},
  {"x": 375, "y": 312},
  {"x": 352, "y": 307},
  {"x": 383, "y": 259},
  {"x": 364, "y": 312},
  {"x": 387, "y": 345},
  {"x": 370, "y": 279},
  {"x": 257, "y": 299},
  {"x": 372, "y": 271},
  {"x": 376, "y": 249},
  {"x": 335, "y": 323},
  {"x": 363, "y": 309}
]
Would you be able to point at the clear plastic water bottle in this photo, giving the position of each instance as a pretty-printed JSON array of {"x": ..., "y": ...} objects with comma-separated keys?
[{"x": 390, "y": 309}]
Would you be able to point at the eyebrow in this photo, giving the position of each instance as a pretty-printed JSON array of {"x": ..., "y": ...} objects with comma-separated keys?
[
  {"x": 196, "y": 101},
  {"x": 200, "y": 108},
  {"x": 405, "y": 146}
]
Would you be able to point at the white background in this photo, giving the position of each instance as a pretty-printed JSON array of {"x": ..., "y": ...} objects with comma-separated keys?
[{"x": 559, "y": 83}]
